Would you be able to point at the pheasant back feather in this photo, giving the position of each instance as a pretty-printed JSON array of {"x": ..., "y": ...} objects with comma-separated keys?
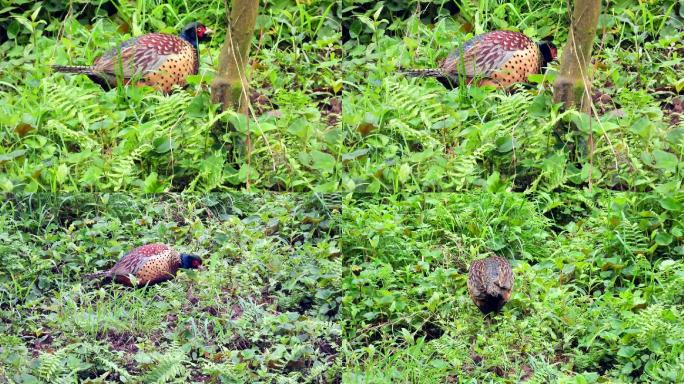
[
  {"x": 159, "y": 60},
  {"x": 498, "y": 58},
  {"x": 149, "y": 264},
  {"x": 490, "y": 282}
]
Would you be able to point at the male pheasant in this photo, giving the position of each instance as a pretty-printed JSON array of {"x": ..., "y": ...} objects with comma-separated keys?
[
  {"x": 490, "y": 282},
  {"x": 150, "y": 264},
  {"x": 498, "y": 58},
  {"x": 155, "y": 59}
]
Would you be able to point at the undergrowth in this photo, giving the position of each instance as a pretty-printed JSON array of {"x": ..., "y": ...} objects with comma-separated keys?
[
  {"x": 63, "y": 133},
  {"x": 414, "y": 135},
  {"x": 265, "y": 310},
  {"x": 597, "y": 294}
]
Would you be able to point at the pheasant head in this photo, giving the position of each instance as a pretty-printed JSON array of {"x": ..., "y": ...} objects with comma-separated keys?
[{"x": 195, "y": 33}]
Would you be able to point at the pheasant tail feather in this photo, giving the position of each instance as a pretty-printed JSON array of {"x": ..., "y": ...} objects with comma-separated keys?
[
  {"x": 84, "y": 69},
  {"x": 423, "y": 72},
  {"x": 97, "y": 275},
  {"x": 450, "y": 82}
]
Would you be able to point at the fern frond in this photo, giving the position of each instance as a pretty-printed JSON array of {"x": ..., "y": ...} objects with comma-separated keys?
[{"x": 169, "y": 365}]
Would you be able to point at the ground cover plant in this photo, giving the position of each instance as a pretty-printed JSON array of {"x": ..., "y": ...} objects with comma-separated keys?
[
  {"x": 412, "y": 134},
  {"x": 64, "y": 133},
  {"x": 597, "y": 294},
  {"x": 265, "y": 310}
]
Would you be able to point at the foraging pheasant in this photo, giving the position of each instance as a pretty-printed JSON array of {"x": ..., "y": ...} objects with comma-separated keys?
[
  {"x": 151, "y": 263},
  {"x": 498, "y": 58},
  {"x": 155, "y": 59},
  {"x": 490, "y": 282}
]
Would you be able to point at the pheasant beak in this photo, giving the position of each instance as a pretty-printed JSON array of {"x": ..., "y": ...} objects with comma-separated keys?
[{"x": 208, "y": 32}]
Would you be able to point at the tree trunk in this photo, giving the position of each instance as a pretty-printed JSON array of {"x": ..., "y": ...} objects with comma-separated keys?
[
  {"x": 573, "y": 84},
  {"x": 230, "y": 86}
]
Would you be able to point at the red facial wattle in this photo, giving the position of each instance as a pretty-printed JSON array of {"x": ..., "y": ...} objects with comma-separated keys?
[{"x": 201, "y": 30}]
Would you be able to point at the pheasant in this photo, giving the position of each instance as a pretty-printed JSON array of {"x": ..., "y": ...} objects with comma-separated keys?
[
  {"x": 498, "y": 58},
  {"x": 150, "y": 264},
  {"x": 490, "y": 282},
  {"x": 155, "y": 59}
]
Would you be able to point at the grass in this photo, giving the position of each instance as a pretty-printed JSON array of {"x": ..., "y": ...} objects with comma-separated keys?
[
  {"x": 597, "y": 294},
  {"x": 265, "y": 310}
]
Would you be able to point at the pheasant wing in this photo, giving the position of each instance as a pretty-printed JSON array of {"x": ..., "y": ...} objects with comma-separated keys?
[
  {"x": 140, "y": 55},
  {"x": 136, "y": 259},
  {"x": 484, "y": 54},
  {"x": 476, "y": 285},
  {"x": 505, "y": 275}
]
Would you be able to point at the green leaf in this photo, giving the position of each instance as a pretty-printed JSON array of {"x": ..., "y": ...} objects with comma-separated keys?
[
  {"x": 322, "y": 161},
  {"x": 25, "y": 22},
  {"x": 494, "y": 183},
  {"x": 162, "y": 145},
  {"x": 354, "y": 155},
  {"x": 404, "y": 172},
  {"x": 581, "y": 121},
  {"x": 92, "y": 175},
  {"x": 199, "y": 105},
  {"x": 535, "y": 78},
  {"x": 540, "y": 105},
  {"x": 439, "y": 364},
  {"x": 667, "y": 263},
  {"x": 152, "y": 184},
  {"x": 300, "y": 127},
  {"x": 627, "y": 351},
  {"x": 642, "y": 127},
  {"x": 12, "y": 155},
  {"x": 239, "y": 122},
  {"x": 263, "y": 127},
  {"x": 671, "y": 204},
  {"x": 62, "y": 172},
  {"x": 448, "y": 123},
  {"x": 35, "y": 13},
  {"x": 595, "y": 172},
  {"x": 665, "y": 160},
  {"x": 505, "y": 144},
  {"x": 663, "y": 238}
]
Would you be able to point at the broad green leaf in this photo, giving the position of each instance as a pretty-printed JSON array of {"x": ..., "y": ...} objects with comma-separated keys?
[
  {"x": 671, "y": 204},
  {"x": 505, "y": 144},
  {"x": 354, "y": 155},
  {"x": 663, "y": 238},
  {"x": 322, "y": 161},
  {"x": 404, "y": 172},
  {"x": 12, "y": 155},
  {"x": 665, "y": 160},
  {"x": 162, "y": 144}
]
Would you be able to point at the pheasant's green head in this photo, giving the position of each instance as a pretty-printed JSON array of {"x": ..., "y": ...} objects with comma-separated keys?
[
  {"x": 190, "y": 261},
  {"x": 196, "y": 32}
]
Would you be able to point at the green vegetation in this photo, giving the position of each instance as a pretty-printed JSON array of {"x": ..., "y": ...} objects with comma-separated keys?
[
  {"x": 598, "y": 293},
  {"x": 63, "y": 133},
  {"x": 264, "y": 311},
  {"x": 412, "y": 134},
  {"x": 313, "y": 287}
]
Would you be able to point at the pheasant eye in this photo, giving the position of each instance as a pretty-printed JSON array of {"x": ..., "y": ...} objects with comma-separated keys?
[{"x": 200, "y": 31}]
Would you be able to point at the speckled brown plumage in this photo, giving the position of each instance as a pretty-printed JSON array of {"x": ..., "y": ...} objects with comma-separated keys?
[
  {"x": 498, "y": 58},
  {"x": 150, "y": 264},
  {"x": 490, "y": 282},
  {"x": 159, "y": 60}
]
